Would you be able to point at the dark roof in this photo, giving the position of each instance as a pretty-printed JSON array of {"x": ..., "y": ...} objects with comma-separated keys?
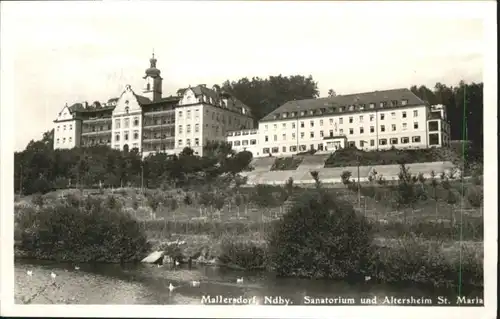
[
  {"x": 332, "y": 105},
  {"x": 142, "y": 99}
]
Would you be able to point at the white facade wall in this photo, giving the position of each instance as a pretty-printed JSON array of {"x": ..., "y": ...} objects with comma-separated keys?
[
  {"x": 127, "y": 122},
  {"x": 301, "y": 133},
  {"x": 245, "y": 140},
  {"x": 67, "y": 130}
]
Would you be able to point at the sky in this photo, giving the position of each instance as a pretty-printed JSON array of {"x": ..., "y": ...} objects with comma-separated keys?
[{"x": 73, "y": 52}]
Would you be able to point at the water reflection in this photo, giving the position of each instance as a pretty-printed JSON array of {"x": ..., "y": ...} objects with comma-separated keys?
[{"x": 148, "y": 284}]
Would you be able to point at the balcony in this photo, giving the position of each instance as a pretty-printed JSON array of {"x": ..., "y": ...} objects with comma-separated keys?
[
  {"x": 153, "y": 139},
  {"x": 158, "y": 126},
  {"x": 96, "y": 133},
  {"x": 97, "y": 120},
  {"x": 158, "y": 113}
]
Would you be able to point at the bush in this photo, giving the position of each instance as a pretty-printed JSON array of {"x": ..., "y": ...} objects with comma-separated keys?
[
  {"x": 475, "y": 196},
  {"x": 320, "y": 236},
  {"x": 244, "y": 254},
  {"x": 88, "y": 231},
  {"x": 286, "y": 163}
]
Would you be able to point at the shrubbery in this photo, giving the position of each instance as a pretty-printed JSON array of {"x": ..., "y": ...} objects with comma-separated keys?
[
  {"x": 244, "y": 254},
  {"x": 320, "y": 236},
  {"x": 286, "y": 163},
  {"x": 80, "y": 230}
]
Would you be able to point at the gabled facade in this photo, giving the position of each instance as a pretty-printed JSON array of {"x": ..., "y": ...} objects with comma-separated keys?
[{"x": 67, "y": 130}]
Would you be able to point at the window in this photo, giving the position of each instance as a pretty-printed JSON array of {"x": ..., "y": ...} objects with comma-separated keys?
[
  {"x": 405, "y": 140},
  {"x": 180, "y": 129},
  {"x": 64, "y": 127},
  {"x": 361, "y": 130},
  {"x": 361, "y": 118},
  {"x": 265, "y": 150},
  {"x": 275, "y": 150},
  {"x": 372, "y": 117},
  {"x": 393, "y": 115},
  {"x": 197, "y": 115},
  {"x": 284, "y": 125},
  {"x": 302, "y": 134},
  {"x": 361, "y": 144},
  {"x": 331, "y": 121},
  {"x": 301, "y": 124},
  {"x": 350, "y": 119},
  {"x": 293, "y": 148},
  {"x": 302, "y": 148},
  {"x": 284, "y": 149},
  {"x": 253, "y": 142},
  {"x": 197, "y": 128},
  {"x": 188, "y": 142},
  {"x": 188, "y": 128},
  {"x": 382, "y": 141},
  {"x": 383, "y": 104},
  {"x": 293, "y": 136},
  {"x": 404, "y": 102},
  {"x": 293, "y": 125},
  {"x": 70, "y": 139},
  {"x": 321, "y": 133},
  {"x": 188, "y": 114},
  {"x": 312, "y": 123},
  {"x": 351, "y": 131},
  {"x": 393, "y": 127},
  {"x": 341, "y": 132},
  {"x": 136, "y": 135},
  {"x": 64, "y": 140},
  {"x": 179, "y": 142},
  {"x": 275, "y": 138},
  {"x": 266, "y": 138},
  {"x": 312, "y": 134},
  {"x": 320, "y": 122},
  {"x": 237, "y": 143},
  {"x": 404, "y": 115},
  {"x": 394, "y": 141},
  {"x": 57, "y": 141},
  {"x": 433, "y": 126},
  {"x": 372, "y": 129},
  {"x": 136, "y": 121},
  {"x": 372, "y": 142},
  {"x": 275, "y": 126},
  {"x": 196, "y": 142},
  {"x": 372, "y": 105},
  {"x": 415, "y": 125},
  {"x": 127, "y": 123},
  {"x": 117, "y": 137},
  {"x": 382, "y": 128},
  {"x": 126, "y": 136},
  {"x": 331, "y": 133},
  {"x": 265, "y": 127},
  {"x": 352, "y": 144},
  {"x": 341, "y": 120},
  {"x": 434, "y": 139},
  {"x": 70, "y": 127},
  {"x": 382, "y": 116},
  {"x": 58, "y": 128},
  {"x": 415, "y": 113},
  {"x": 284, "y": 137}
]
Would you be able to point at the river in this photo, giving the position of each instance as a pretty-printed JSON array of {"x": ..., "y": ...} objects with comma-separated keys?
[{"x": 148, "y": 284}]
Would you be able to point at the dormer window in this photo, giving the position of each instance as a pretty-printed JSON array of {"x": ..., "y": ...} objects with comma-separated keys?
[
  {"x": 126, "y": 109},
  {"x": 311, "y": 112},
  {"x": 351, "y": 107},
  {"x": 341, "y": 109},
  {"x": 303, "y": 113},
  {"x": 276, "y": 116},
  {"x": 362, "y": 106},
  {"x": 294, "y": 114},
  {"x": 404, "y": 102},
  {"x": 383, "y": 104},
  {"x": 285, "y": 115},
  {"x": 394, "y": 102},
  {"x": 322, "y": 110},
  {"x": 372, "y": 105}
]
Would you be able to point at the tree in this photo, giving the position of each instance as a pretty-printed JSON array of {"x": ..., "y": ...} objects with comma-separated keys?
[
  {"x": 331, "y": 93},
  {"x": 265, "y": 95}
]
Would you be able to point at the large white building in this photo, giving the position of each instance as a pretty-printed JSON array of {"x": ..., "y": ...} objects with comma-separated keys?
[{"x": 150, "y": 123}]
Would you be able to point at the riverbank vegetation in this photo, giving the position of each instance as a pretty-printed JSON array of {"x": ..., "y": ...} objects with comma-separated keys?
[{"x": 248, "y": 227}]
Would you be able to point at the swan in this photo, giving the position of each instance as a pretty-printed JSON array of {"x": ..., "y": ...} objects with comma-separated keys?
[
  {"x": 195, "y": 283},
  {"x": 30, "y": 273},
  {"x": 368, "y": 278},
  {"x": 171, "y": 287},
  {"x": 53, "y": 275},
  {"x": 77, "y": 268},
  {"x": 239, "y": 280}
]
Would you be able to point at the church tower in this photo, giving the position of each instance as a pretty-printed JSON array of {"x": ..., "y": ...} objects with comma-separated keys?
[{"x": 152, "y": 81}]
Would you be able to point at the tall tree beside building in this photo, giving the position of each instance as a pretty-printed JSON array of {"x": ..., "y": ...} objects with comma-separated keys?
[{"x": 265, "y": 95}]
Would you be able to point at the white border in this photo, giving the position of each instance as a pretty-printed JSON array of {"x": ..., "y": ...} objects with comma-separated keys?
[{"x": 448, "y": 9}]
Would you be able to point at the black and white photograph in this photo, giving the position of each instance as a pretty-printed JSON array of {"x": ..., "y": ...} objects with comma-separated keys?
[{"x": 249, "y": 159}]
